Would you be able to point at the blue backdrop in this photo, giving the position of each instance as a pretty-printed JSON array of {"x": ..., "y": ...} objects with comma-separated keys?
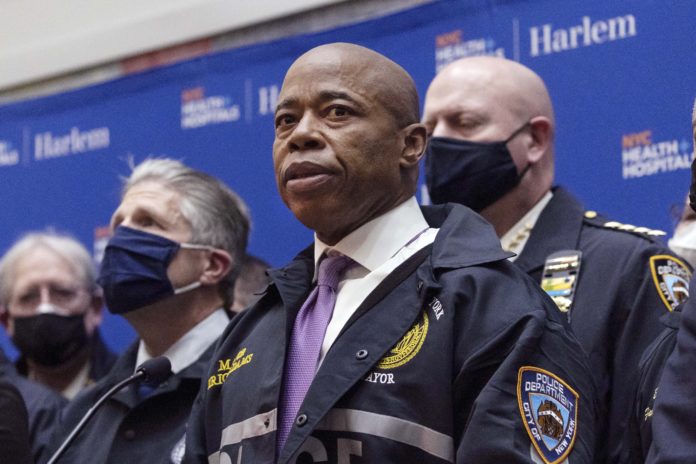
[{"x": 620, "y": 74}]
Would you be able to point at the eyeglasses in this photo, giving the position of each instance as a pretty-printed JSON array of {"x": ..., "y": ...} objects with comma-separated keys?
[{"x": 62, "y": 296}]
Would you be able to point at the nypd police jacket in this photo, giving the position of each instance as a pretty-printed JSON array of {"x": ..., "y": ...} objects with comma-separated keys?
[{"x": 456, "y": 357}]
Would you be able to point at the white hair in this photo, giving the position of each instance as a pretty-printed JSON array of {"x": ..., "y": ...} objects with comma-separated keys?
[{"x": 72, "y": 251}]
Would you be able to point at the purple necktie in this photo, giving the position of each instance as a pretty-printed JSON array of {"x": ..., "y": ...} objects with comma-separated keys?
[{"x": 306, "y": 340}]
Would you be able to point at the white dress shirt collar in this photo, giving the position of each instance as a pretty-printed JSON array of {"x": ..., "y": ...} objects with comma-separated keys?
[
  {"x": 192, "y": 345},
  {"x": 373, "y": 243}
]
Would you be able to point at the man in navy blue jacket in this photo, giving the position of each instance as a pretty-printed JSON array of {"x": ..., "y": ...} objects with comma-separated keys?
[{"x": 437, "y": 349}]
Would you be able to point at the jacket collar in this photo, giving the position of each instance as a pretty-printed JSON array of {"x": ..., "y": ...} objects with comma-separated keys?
[
  {"x": 465, "y": 238},
  {"x": 125, "y": 366},
  {"x": 558, "y": 228}
]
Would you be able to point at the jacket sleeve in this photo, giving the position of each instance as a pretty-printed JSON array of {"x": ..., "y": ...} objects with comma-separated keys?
[
  {"x": 674, "y": 419},
  {"x": 524, "y": 392},
  {"x": 14, "y": 426},
  {"x": 653, "y": 282}
]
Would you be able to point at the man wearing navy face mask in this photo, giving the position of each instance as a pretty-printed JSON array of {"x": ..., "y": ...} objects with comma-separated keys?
[
  {"x": 491, "y": 126},
  {"x": 179, "y": 236}
]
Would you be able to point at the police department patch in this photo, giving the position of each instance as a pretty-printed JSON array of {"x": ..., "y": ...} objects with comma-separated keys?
[
  {"x": 671, "y": 277},
  {"x": 549, "y": 409},
  {"x": 408, "y": 346}
]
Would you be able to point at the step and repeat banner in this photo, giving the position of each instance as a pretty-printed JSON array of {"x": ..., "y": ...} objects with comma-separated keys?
[{"x": 622, "y": 75}]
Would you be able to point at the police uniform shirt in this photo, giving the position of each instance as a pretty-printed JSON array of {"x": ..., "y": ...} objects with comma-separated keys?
[
  {"x": 516, "y": 238},
  {"x": 378, "y": 247}
]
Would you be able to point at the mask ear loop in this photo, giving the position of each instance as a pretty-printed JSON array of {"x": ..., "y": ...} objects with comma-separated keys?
[
  {"x": 192, "y": 285},
  {"x": 518, "y": 131},
  {"x": 195, "y": 246},
  {"x": 187, "y": 288},
  {"x": 524, "y": 171},
  {"x": 512, "y": 136}
]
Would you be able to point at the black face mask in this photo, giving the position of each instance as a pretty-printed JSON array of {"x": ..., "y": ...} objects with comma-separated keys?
[
  {"x": 470, "y": 173},
  {"x": 50, "y": 339}
]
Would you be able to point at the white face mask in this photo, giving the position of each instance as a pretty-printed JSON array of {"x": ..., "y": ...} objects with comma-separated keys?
[{"x": 684, "y": 243}]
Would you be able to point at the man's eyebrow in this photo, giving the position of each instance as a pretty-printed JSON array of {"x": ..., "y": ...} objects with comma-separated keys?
[
  {"x": 286, "y": 103},
  {"x": 324, "y": 96},
  {"x": 328, "y": 95}
]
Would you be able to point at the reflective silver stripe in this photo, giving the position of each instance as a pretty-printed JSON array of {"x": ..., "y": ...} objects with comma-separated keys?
[
  {"x": 256, "y": 426},
  {"x": 352, "y": 420}
]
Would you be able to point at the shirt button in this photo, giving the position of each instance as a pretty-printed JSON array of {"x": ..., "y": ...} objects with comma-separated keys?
[
  {"x": 301, "y": 420},
  {"x": 129, "y": 434},
  {"x": 362, "y": 354}
]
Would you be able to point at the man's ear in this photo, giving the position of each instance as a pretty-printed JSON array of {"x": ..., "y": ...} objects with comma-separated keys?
[
  {"x": 95, "y": 313},
  {"x": 218, "y": 266},
  {"x": 415, "y": 137},
  {"x": 541, "y": 130}
]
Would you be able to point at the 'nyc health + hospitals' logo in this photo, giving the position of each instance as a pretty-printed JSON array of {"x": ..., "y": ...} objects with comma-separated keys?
[
  {"x": 199, "y": 110},
  {"x": 643, "y": 154},
  {"x": 451, "y": 46}
]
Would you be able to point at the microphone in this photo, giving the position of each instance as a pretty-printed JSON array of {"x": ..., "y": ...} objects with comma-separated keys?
[{"x": 152, "y": 372}]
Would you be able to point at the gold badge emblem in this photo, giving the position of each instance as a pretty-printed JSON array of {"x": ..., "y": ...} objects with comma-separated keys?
[{"x": 408, "y": 347}]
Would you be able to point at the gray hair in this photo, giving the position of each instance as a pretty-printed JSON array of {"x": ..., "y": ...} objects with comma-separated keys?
[
  {"x": 218, "y": 217},
  {"x": 62, "y": 245}
]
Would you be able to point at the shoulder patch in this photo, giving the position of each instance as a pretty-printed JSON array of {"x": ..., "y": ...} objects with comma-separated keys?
[
  {"x": 549, "y": 409},
  {"x": 671, "y": 277}
]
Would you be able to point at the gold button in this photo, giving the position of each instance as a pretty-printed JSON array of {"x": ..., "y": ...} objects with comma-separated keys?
[{"x": 590, "y": 214}]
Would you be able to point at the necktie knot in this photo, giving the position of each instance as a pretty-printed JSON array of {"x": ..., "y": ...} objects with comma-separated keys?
[{"x": 331, "y": 269}]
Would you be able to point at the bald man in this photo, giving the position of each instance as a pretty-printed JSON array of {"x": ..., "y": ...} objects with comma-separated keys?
[
  {"x": 419, "y": 341},
  {"x": 491, "y": 126}
]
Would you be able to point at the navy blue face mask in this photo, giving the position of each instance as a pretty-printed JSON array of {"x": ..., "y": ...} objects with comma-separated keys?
[
  {"x": 470, "y": 173},
  {"x": 133, "y": 273}
]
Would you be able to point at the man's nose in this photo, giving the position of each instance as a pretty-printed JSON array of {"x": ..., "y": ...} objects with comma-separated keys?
[
  {"x": 45, "y": 294},
  {"x": 306, "y": 134}
]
